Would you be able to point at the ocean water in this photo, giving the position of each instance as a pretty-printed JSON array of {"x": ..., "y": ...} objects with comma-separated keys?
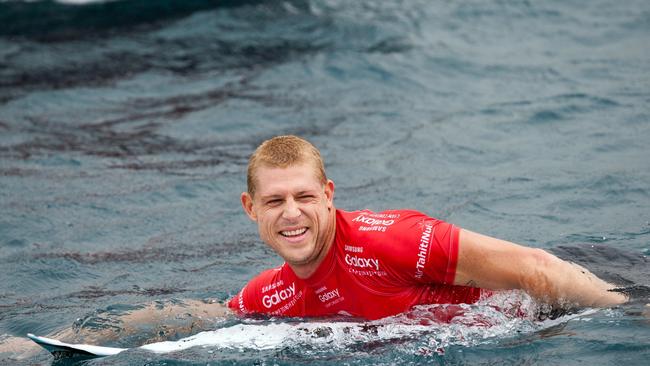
[{"x": 125, "y": 128}]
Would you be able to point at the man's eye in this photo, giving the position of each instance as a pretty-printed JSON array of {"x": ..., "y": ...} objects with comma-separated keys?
[
  {"x": 306, "y": 197},
  {"x": 274, "y": 202}
]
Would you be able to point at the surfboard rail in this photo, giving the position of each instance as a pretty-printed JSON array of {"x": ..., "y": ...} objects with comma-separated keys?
[{"x": 56, "y": 347}]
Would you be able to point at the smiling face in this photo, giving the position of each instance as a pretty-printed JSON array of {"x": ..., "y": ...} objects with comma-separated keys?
[{"x": 295, "y": 214}]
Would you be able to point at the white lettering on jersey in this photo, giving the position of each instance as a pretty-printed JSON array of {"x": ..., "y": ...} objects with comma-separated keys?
[
  {"x": 279, "y": 295},
  {"x": 373, "y": 222},
  {"x": 353, "y": 249},
  {"x": 361, "y": 262},
  {"x": 423, "y": 252},
  {"x": 325, "y": 297},
  {"x": 242, "y": 308}
]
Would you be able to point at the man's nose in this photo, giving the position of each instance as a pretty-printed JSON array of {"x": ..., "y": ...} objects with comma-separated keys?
[{"x": 291, "y": 209}]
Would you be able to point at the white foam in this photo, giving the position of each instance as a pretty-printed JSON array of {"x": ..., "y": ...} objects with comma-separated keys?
[{"x": 478, "y": 324}]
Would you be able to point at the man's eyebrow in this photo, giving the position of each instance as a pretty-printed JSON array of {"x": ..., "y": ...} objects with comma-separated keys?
[
  {"x": 307, "y": 191},
  {"x": 299, "y": 193},
  {"x": 270, "y": 196}
]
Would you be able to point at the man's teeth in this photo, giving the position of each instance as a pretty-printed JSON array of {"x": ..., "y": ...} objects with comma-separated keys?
[{"x": 293, "y": 232}]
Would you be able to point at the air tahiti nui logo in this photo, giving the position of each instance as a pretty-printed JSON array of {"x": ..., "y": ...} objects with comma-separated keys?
[{"x": 423, "y": 249}]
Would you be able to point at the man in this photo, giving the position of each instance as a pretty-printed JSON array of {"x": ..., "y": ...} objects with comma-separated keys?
[
  {"x": 362, "y": 264},
  {"x": 372, "y": 265}
]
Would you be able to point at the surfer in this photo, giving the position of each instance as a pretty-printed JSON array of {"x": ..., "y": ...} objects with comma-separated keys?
[
  {"x": 360, "y": 263},
  {"x": 372, "y": 265}
]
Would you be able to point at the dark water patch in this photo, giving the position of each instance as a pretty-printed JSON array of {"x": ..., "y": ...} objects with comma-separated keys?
[
  {"x": 640, "y": 21},
  {"x": 592, "y": 101},
  {"x": 17, "y": 243},
  {"x": 134, "y": 256},
  {"x": 250, "y": 38},
  {"x": 178, "y": 106},
  {"x": 48, "y": 20},
  {"x": 391, "y": 45},
  {"x": 19, "y": 172},
  {"x": 518, "y": 180},
  {"x": 545, "y": 116},
  {"x": 173, "y": 165},
  {"x": 620, "y": 186},
  {"x": 476, "y": 12},
  {"x": 95, "y": 140},
  {"x": 113, "y": 66},
  {"x": 94, "y": 292},
  {"x": 618, "y": 266},
  {"x": 150, "y": 254},
  {"x": 137, "y": 133},
  {"x": 561, "y": 107},
  {"x": 105, "y": 63}
]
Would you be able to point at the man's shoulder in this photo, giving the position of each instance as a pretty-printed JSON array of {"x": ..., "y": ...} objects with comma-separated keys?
[
  {"x": 378, "y": 232},
  {"x": 362, "y": 222},
  {"x": 271, "y": 278},
  {"x": 370, "y": 217},
  {"x": 274, "y": 291}
]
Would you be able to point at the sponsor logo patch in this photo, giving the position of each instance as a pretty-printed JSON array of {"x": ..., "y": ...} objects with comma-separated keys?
[
  {"x": 423, "y": 250},
  {"x": 353, "y": 249},
  {"x": 242, "y": 308},
  {"x": 329, "y": 295},
  {"x": 272, "y": 286},
  {"x": 361, "y": 262},
  {"x": 375, "y": 222},
  {"x": 279, "y": 296},
  {"x": 329, "y": 298}
]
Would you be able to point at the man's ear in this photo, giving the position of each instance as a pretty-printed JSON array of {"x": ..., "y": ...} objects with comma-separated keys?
[
  {"x": 329, "y": 193},
  {"x": 247, "y": 204}
]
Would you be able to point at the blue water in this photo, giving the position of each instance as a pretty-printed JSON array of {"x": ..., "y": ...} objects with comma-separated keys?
[{"x": 125, "y": 127}]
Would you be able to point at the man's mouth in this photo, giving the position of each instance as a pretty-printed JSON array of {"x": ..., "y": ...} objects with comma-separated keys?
[{"x": 293, "y": 233}]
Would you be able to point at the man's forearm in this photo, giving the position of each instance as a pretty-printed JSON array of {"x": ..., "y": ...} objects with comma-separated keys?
[
  {"x": 160, "y": 320},
  {"x": 560, "y": 282},
  {"x": 152, "y": 321}
]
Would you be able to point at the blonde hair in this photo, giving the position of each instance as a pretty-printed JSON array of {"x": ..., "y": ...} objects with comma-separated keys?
[{"x": 282, "y": 152}]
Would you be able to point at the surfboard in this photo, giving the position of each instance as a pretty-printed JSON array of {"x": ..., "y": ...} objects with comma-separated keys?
[{"x": 61, "y": 349}]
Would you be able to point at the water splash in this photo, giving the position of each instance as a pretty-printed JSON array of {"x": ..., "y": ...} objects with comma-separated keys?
[{"x": 503, "y": 316}]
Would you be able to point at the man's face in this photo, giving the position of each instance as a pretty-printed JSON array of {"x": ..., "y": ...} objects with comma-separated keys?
[{"x": 294, "y": 213}]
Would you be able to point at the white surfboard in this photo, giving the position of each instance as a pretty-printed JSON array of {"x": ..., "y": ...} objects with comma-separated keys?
[
  {"x": 58, "y": 348},
  {"x": 254, "y": 336}
]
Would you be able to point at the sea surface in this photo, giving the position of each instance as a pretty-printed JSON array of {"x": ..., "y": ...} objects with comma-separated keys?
[{"x": 125, "y": 129}]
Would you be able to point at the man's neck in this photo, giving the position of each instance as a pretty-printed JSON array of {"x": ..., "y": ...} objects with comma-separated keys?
[{"x": 307, "y": 270}]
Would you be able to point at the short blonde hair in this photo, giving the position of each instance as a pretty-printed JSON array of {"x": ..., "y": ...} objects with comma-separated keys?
[{"x": 282, "y": 152}]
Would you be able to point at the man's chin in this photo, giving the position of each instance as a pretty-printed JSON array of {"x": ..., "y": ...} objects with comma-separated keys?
[{"x": 298, "y": 259}]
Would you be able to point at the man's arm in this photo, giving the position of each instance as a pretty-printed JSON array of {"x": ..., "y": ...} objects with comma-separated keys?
[
  {"x": 498, "y": 264},
  {"x": 154, "y": 322}
]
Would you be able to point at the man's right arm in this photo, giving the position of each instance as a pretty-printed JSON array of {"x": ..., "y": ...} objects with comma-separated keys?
[
  {"x": 492, "y": 263},
  {"x": 153, "y": 322}
]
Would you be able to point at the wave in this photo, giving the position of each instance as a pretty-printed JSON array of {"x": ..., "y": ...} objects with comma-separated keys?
[{"x": 49, "y": 20}]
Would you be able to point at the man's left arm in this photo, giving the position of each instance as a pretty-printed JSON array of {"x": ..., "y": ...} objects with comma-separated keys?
[{"x": 492, "y": 263}]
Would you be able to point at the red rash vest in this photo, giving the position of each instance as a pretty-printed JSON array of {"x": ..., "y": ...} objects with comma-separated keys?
[{"x": 380, "y": 264}]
